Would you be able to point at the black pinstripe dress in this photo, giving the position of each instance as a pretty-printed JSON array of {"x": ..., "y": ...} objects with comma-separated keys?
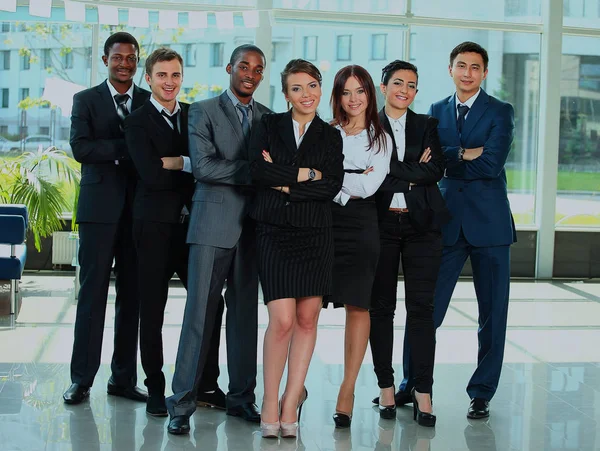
[{"x": 294, "y": 237}]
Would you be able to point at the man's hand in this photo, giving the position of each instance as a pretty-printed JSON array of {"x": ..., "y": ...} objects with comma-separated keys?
[
  {"x": 282, "y": 189},
  {"x": 426, "y": 157},
  {"x": 472, "y": 154},
  {"x": 172, "y": 163}
]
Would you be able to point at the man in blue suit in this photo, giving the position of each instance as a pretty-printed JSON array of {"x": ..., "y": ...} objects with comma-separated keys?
[{"x": 476, "y": 133}]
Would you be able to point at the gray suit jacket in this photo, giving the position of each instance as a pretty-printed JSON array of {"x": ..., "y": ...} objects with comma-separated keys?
[{"x": 219, "y": 156}]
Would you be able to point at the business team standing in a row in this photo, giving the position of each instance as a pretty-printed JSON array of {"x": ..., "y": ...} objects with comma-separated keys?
[{"x": 224, "y": 192}]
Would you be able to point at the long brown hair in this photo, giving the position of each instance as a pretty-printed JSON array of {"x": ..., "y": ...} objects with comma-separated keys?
[{"x": 372, "y": 123}]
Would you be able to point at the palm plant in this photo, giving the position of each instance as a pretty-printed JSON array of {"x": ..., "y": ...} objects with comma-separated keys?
[{"x": 42, "y": 181}]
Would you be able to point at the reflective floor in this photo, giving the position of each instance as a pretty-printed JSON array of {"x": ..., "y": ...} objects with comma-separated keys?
[{"x": 548, "y": 397}]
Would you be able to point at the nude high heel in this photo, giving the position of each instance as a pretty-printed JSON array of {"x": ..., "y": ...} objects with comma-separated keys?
[{"x": 290, "y": 430}]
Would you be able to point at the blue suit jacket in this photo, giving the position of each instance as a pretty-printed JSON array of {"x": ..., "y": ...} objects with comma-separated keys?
[{"x": 475, "y": 191}]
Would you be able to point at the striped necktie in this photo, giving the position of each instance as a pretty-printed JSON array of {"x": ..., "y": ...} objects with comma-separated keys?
[{"x": 122, "y": 111}]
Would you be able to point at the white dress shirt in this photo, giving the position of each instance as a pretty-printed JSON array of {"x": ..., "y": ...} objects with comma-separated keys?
[
  {"x": 114, "y": 92},
  {"x": 357, "y": 155},
  {"x": 297, "y": 132},
  {"x": 187, "y": 164},
  {"x": 468, "y": 103},
  {"x": 399, "y": 130}
]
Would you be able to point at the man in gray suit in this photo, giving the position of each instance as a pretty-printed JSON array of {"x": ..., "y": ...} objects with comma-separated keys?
[{"x": 222, "y": 244}]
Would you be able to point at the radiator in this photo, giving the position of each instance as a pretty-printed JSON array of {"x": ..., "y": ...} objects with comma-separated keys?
[{"x": 63, "y": 248}]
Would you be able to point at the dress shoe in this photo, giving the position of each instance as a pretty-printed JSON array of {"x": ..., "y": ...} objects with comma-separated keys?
[
  {"x": 422, "y": 418},
  {"x": 248, "y": 411},
  {"x": 132, "y": 392},
  {"x": 401, "y": 398},
  {"x": 290, "y": 430},
  {"x": 156, "y": 405},
  {"x": 387, "y": 412},
  {"x": 76, "y": 393},
  {"x": 215, "y": 399},
  {"x": 179, "y": 425},
  {"x": 343, "y": 420},
  {"x": 479, "y": 408}
]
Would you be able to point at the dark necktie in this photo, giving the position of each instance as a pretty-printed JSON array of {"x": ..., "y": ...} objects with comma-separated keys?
[
  {"x": 462, "y": 112},
  {"x": 173, "y": 119},
  {"x": 122, "y": 111},
  {"x": 245, "y": 120}
]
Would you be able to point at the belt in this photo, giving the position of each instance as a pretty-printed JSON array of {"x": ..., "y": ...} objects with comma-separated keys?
[{"x": 398, "y": 211}]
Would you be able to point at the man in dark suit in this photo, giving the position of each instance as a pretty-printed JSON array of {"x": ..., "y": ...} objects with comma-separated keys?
[
  {"x": 476, "y": 133},
  {"x": 222, "y": 241},
  {"x": 163, "y": 198},
  {"x": 105, "y": 223}
]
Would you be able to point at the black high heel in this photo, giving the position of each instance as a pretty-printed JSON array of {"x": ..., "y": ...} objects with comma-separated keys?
[
  {"x": 422, "y": 418},
  {"x": 387, "y": 412},
  {"x": 343, "y": 420}
]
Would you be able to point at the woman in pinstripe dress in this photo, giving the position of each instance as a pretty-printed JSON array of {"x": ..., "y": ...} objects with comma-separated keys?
[{"x": 296, "y": 160}]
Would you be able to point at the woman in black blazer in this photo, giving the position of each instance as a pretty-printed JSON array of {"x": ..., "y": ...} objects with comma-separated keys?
[
  {"x": 411, "y": 212},
  {"x": 296, "y": 160}
]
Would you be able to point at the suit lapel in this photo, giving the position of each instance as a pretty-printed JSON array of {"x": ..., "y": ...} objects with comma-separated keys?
[
  {"x": 312, "y": 135},
  {"x": 388, "y": 128},
  {"x": 286, "y": 132},
  {"x": 109, "y": 105},
  {"x": 138, "y": 98},
  {"x": 448, "y": 118},
  {"x": 158, "y": 127},
  {"x": 412, "y": 134},
  {"x": 475, "y": 113},
  {"x": 231, "y": 115}
]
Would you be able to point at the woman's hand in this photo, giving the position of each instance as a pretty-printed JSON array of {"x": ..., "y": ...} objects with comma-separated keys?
[
  {"x": 368, "y": 170},
  {"x": 267, "y": 156},
  {"x": 426, "y": 157},
  {"x": 282, "y": 189}
]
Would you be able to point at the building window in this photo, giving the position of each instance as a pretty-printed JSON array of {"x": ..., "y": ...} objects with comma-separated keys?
[
  {"x": 310, "y": 48},
  {"x": 88, "y": 57},
  {"x": 4, "y": 130},
  {"x": 5, "y": 60},
  {"x": 44, "y": 131},
  {"x": 25, "y": 62},
  {"x": 4, "y": 97},
  {"x": 216, "y": 54},
  {"x": 378, "y": 46},
  {"x": 189, "y": 55},
  {"x": 5, "y": 27},
  {"x": 343, "y": 48},
  {"x": 47, "y": 58},
  {"x": 64, "y": 133},
  {"x": 43, "y": 104},
  {"x": 24, "y": 94},
  {"x": 67, "y": 60}
]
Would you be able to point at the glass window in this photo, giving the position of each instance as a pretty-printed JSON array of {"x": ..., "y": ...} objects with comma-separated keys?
[
  {"x": 274, "y": 52},
  {"x": 5, "y": 60},
  {"x": 25, "y": 61},
  {"x": 216, "y": 54},
  {"x": 5, "y": 27},
  {"x": 44, "y": 131},
  {"x": 24, "y": 94},
  {"x": 4, "y": 97},
  {"x": 67, "y": 59},
  {"x": 4, "y": 130},
  {"x": 344, "y": 44},
  {"x": 345, "y": 6},
  {"x": 378, "y": 46},
  {"x": 189, "y": 55},
  {"x": 47, "y": 58},
  {"x": 578, "y": 184},
  {"x": 310, "y": 48},
  {"x": 521, "y": 11}
]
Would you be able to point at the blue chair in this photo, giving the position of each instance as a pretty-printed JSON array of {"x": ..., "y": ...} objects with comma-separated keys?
[{"x": 13, "y": 252}]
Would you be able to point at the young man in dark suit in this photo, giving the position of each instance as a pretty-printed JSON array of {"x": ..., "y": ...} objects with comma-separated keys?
[
  {"x": 105, "y": 223},
  {"x": 476, "y": 133},
  {"x": 222, "y": 243},
  {"x": 157, "y": 140}
]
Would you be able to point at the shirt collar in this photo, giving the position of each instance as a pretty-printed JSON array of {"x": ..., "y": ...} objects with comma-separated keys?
[
  {"x": 114, "y": 92},
  {"x": 235, "y": 100},
  {"x": 161, "y": 108},
  {"x": 469, "y": 102},
  {"x": 400, "y": 121}
]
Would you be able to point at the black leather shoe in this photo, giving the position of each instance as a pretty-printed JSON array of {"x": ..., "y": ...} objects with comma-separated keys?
[
  {"x": 422, "y": 418},
  {"x": 156, "y": 405},
  {"x": 401, "y": 398},
  {"x": 215, "y": 399},
  {"x": 479, "y": 408},
  {"x": 179, "y": 425},
  {"x": 76, "y": 393},
  {"x": 133, "y": 393},
  {"x": 248, "y": 411}
]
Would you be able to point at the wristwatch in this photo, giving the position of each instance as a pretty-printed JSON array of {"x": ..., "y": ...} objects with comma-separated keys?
[
  {"x": 461, "y": 153},
  {"x": 311, "y": 174}
]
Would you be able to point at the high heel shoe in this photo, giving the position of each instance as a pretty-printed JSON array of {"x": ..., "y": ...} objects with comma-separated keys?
[
  {"x": 387, "y": 412},
  {"x": 270, "y": 430},
  {"x": 343, "y": 420},
  {"x": 422, "y": 418},
  {"x": 290, "y": 430}
]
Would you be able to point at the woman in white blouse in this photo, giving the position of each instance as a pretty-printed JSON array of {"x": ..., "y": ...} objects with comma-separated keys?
[{"x": 355, "y": 228}]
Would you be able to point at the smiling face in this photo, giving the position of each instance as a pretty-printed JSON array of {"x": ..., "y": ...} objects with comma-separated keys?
[
  {"x": 303, "y": 93},
  {"x": 246, "y": 74},
  {"x": 165, "y": 82},
  {"x": 399, "y": 92},
  {"x": 467, "y": 71},
  {"x": 354, "y": 98},
  {"x": 122, "y": 62}
]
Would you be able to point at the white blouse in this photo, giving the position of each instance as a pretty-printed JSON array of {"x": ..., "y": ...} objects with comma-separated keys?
[
  {"x": 356, "y": 156},
  {"x": 297, "y": 131}
]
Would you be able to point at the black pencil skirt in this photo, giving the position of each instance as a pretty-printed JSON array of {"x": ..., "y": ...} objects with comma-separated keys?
[{"x": 294, "y": 262}]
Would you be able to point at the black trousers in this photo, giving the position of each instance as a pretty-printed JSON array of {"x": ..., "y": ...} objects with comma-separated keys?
[
  {"x": 421, "y": 254},
  {"x": 99, "y": 244},
  {"x": 162, "y": 252}
]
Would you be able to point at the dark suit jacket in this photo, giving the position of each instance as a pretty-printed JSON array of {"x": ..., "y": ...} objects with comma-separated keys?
[
  {"x": 309, "y": 203},
  {"x": 97, "y": 141},
  {"x": 426, "y": 208},
  {"x": 475, "y": 191},
  {"x": 160, "y": 194}
]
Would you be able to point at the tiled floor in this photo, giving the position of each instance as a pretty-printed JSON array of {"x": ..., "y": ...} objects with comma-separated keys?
[{"x": 548, "y": 397}]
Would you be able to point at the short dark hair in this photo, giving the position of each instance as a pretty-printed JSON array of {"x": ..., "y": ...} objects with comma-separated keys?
[
  {"x": 396, "y": 65},
  {"x": 244, "y": 48},
  {"x": 469, "y": 47},
  {"x": 162, "y": 54},
  {"x": 121, "y": 37},
  {"x": 297, "y": 66}
]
